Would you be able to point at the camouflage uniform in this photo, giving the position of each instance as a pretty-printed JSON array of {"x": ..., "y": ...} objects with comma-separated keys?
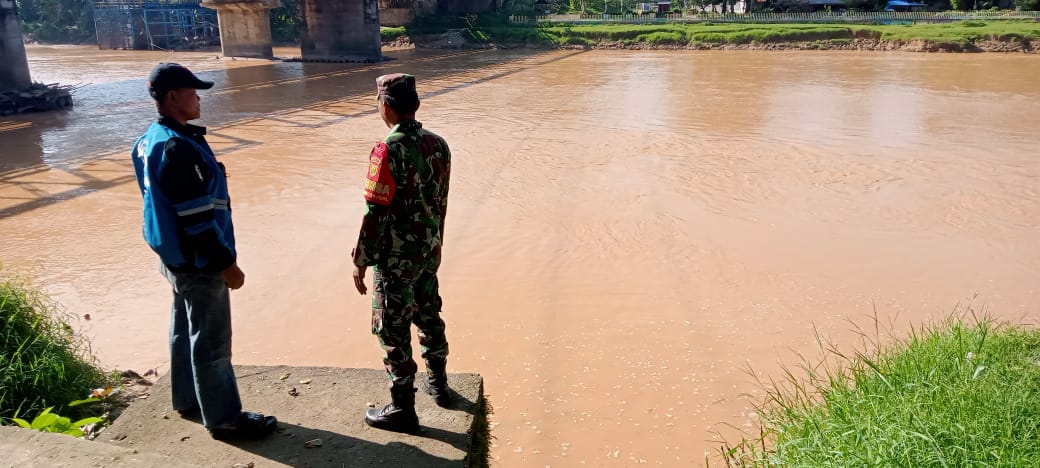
[{"x": 406, "y": 193}]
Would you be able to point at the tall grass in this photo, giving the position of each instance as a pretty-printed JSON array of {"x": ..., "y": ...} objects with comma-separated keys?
[
  {"x": 964, "y": 392},
  {"x": 43, "y": 363}
]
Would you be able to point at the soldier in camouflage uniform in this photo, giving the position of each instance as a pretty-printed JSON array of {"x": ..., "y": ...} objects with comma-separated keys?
[{"x": 406, "y": 193}]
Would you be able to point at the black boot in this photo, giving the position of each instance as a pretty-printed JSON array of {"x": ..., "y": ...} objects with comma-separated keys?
[
  {"x": 436, "y": 383},
  {"x": 398, "y": 416}
]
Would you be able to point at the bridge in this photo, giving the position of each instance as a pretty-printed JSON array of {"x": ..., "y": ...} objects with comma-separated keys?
[{"x": 330, "y": 30}]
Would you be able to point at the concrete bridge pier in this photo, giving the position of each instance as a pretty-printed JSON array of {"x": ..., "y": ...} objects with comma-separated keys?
[
  {"x": 245, "y": 26},
  {"x": 340, "y": 31},
  {"x": 14, "y": 68}
]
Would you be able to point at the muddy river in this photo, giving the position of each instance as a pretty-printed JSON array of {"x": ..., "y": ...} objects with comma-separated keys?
[{"x": 629, "y": 232}]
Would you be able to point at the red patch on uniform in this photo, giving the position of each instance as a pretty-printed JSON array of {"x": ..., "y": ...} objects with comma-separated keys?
[{"x": 379, "y": 182}]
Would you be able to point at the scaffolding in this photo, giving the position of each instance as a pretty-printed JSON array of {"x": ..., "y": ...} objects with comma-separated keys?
[{"x": 154, "y": 25}]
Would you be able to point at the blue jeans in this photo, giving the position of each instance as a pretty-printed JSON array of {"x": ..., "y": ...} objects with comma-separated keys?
[{"x": 200, "y": 347}]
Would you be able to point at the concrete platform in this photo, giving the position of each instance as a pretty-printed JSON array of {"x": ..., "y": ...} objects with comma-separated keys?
[
  {"x": 27, "y": 447},
  {"x": 329, "y": 407}
]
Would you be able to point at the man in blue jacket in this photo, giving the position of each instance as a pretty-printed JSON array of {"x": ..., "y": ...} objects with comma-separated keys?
[{"x": 187, "y": 222}]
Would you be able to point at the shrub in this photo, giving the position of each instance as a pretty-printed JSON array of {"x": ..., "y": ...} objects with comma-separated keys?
[{"x": 43, "y": 362}]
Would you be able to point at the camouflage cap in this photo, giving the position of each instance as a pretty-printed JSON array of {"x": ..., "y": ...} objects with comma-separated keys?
[{"x": 397, "y": 86}]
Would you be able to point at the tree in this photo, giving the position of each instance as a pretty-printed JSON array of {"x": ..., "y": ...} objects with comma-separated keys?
[
  {"x": 285, "y": 22},
  {"x": 26, "y": 10},
  {"x": 57, "y": 20}
]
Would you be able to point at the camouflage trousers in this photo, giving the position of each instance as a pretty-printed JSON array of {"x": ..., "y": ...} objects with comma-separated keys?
[{"x": 400, "y": 298}]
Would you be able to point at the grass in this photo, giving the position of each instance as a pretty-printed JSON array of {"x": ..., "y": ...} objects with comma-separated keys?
[
  {"x": 43, "y": 363},
  {"x": 389, "y": 34},
  {"x": 958, "y": 33},
  {"x": 532, "y": 35},
  {"x": 958, "y": 393}
]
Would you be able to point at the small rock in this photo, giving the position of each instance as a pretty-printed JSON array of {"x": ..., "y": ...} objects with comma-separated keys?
[
  {"x": 371, "y": 405},
  {"x": 165, "y": 416},
  {"x": 86, "y": 316},
  {"x": 312, "y": 443},
  {"x": 185, "y": 438},
  {"x": 243, "y": 465},
  {"x": 305, "y": 381},
  {"x": 294, "y": 392},
  {"x": 285, "y": 376}
]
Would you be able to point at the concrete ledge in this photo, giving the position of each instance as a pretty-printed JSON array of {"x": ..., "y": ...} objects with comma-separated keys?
[
  {"x": 330, "y": 407},
  {"x": 27, "y": 447}
]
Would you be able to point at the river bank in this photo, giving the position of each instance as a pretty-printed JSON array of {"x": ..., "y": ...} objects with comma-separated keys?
[{"x": 965, "y": 36}]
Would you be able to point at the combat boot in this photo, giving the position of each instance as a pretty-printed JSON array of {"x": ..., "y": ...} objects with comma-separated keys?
[
  {"x": 436, "y": 383},
  {"x": 398, "y": 416}
]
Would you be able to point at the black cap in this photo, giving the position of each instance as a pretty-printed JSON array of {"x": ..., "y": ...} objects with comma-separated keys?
[{"x": 170, "y": 76}]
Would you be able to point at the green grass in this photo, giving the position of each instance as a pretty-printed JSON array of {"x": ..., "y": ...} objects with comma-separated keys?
[
  {"x": 662, "y": 38},
  {"x": 530, "y": 35},
  {"x": 43, "y": 363},
  {"x": 389, "y": 34},
  {"x": 960, "y": 33},
  {"x": 966, "y": 31},
  {"x": 960, "y": 393}
]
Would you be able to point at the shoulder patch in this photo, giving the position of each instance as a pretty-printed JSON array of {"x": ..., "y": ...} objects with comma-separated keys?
[{"x": 379, "y": 181}]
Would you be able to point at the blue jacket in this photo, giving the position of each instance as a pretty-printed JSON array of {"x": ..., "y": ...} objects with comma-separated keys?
[{"x": 170, "y": 226}]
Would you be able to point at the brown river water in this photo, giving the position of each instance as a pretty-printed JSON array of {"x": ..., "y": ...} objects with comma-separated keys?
[{"x": 629, "y": 232}]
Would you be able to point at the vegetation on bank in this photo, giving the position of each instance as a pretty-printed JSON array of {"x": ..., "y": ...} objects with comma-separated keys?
[
  {"x": 561, "y": 7},
  {"x": 392, "y": 34},
  {"x": 72, "y": 21},
  {"x": 46, "y": 368},
  {"x": 962, "y": 34},
  {"x": 66, "y": 21},
  {"x": 959, "y": 393}
]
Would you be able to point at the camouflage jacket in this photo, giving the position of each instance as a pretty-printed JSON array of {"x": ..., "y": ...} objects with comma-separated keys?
[{"x": 406, "y": 198}]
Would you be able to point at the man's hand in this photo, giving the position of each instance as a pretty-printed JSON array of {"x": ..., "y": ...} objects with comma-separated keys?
[
  {"x": 234, "y": 278},
  {"x": 359, "y": 279}
]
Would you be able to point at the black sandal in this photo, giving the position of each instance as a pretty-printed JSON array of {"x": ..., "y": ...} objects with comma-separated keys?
[{"x": 247, "y": 426}]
